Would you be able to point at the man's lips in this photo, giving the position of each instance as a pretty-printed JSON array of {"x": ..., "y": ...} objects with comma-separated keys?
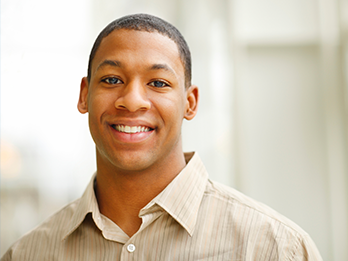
[
  {"x": 131, "y": 129},
  {"x": 131, "y": 134}
]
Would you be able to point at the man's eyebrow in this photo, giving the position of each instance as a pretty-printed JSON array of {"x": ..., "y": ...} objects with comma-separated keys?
[
  {"x": 114, "y": 63},
  {"x": 160, "y": 66}
]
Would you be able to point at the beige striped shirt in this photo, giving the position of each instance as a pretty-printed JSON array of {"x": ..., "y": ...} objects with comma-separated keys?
[{"x": 193, "y": 218}]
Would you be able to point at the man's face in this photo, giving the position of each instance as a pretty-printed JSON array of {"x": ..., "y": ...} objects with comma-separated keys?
[{"x": 136, "y": 100}]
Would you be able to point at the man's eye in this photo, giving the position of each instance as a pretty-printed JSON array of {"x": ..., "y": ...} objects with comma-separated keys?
[
  {"x": 158, "y": 84},
  {"x": 112, "y": 80}
]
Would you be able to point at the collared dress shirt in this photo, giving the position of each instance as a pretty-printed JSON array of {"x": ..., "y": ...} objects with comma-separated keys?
[{"x": 193, "y": 218}]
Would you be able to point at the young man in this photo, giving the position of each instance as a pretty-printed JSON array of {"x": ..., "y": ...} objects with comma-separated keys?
[{"x": 148, "y": 200}]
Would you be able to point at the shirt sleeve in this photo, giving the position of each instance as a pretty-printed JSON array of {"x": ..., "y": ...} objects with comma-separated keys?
[{"x": 305, "y": 250}]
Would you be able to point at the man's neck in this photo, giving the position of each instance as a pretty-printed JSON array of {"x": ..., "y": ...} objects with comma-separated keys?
[{"x": 121, "y": 195}]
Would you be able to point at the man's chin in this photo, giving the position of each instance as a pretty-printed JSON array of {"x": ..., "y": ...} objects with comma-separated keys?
[{"x": 131, "y": 163}]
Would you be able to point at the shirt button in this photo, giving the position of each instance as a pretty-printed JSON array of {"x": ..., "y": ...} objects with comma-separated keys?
[{"x": 131, "y": 248}]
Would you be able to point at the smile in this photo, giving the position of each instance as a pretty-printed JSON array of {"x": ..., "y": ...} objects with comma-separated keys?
[{"x": 131, "y": 129}]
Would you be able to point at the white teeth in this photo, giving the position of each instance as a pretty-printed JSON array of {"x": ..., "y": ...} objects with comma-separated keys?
[{"x": 133, "y": 129}]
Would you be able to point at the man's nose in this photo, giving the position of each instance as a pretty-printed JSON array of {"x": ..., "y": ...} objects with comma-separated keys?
[{"x": 133, "y": 97}]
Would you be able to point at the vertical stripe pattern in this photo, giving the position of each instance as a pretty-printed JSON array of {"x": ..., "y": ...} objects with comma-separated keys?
[{"x": 192, "y": 219}]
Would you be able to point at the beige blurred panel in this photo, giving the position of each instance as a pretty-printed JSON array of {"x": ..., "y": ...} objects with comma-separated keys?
[
  {"x": 275, "y": 22},
  {"x": 283, "y": 155},
  {"x": 334, "y": 84},
  {"x": 289, "y": 115}
]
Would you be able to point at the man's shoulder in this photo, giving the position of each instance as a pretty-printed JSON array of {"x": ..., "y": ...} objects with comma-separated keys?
[
  {"x": 252, "y": 226},
  {"x": 237, "y": 202},
  {"x": 39, "y": 239}
]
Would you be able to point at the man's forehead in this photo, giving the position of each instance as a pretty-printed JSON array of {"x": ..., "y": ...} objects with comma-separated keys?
[
  {"x": 150, "y": 67},
  {"x": 160, "y": 48}
]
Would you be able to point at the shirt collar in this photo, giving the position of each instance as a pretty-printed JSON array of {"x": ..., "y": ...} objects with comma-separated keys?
[
  {"x": 86, "y": 204},
  {"x": 180, "y": 199}
]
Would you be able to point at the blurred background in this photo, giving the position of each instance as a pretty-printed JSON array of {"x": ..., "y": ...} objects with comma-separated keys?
[{"x": 273, "y": 111}]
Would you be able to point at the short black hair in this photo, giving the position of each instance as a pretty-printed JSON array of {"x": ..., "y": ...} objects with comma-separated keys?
[{"x": 148, "y": 23}]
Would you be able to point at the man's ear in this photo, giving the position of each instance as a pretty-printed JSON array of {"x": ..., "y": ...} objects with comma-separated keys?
[
  {"x": 82, "y": 103},
  {"x": 192, "y": 96}
]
